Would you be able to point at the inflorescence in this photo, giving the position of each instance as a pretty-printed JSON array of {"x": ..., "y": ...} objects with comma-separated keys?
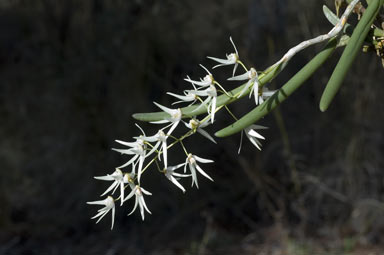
[{"x": 146, "y": 151}]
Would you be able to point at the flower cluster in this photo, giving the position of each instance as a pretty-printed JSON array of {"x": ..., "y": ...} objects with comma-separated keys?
[{"x": 145, "y": 151}]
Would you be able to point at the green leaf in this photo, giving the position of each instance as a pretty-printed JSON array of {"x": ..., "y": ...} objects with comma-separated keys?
[
  {"x": 350, "y": 53},
  {"x": 333, "y": 19}
]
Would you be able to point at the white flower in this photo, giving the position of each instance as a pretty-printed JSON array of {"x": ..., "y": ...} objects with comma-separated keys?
[
  {"x": 174, "y": 118},
  {"x": 138, "y": 149},
  {"x": 205, "y": 82},
  {"x": 109, "y": 204},
  {"x": 211, "y": 94},
  {"x": 196, "y": 125},
  {"x": 118, "y": 180},
  {"x": 159, "y": 138},
  {"x": 191, "y": 161},
  {"x": 189, "y": 96},
  {"x": 265, "y": 94},
  {"x": 232, "y": 59},
  {"x": 252, "y": 136},
  {"x": 252, "y": 78},
  {"x": 139, "y": 199},
  {"x": 170, "y": 174}
]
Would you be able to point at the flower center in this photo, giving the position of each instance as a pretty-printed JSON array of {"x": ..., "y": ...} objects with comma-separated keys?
[
  {"x": 209, "y": 78},
  {"x": 233, "y": 57}
]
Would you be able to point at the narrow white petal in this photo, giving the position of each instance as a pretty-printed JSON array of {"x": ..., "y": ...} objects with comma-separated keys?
[
  {"x": 254, "y": 142},
  {"x": 145, "y": 192},
  {"x": 113, "y": 186},
  {"x": 165, "y": 109},
  {"x": 255, "y": 134},
  {"x": 234, "y": 69},
  {"x": 198, "y": 83},
  {"x": 102, "y": 216},
  {"x": 221, "y": 61},
  {"x": 261, "y": 100},
  {"x": 174, "y": 181},
  {"x": 269, "y": 93},
  {"x": 145, "y": 205},
  {"x": 194, "y": 176},
  {"x": 130, "y": 144},
  {"x": 100, "y": 202},
  {"x": 124, "y": 151},
  {"x": 98, "y": 214},
  {"x": 181, "y": 97},
  {"x": 204, "y": 124},
  {"x": 241, "y": 77},
  {"x": 185, "y": 165},
  {"x": 104, "y": 178},
  {"x": 202, "y": 160},
  {"x": 173, "y": 168},
  {"x": 141, "y": 162},
  {"x": 234, "y": 46},
  {"x": 117, "y": 182},
  {"x": 150, "y": 139},
  {"x": 241, "y": 142},
  {"x": 142, "y": 131},
  {"x": 130, "y": 194},
  {"x": 256, "y": 92},
  {"x": 159, "y": 122},
  {"x": 201, "y": 93},
  {"x": 154, "y": 148},
  {"x": 213, "y": 110},
  {"x": 246, "y": 87},
  {"x": 113, "y": 217},
  {"x": 165, "y": 153},
  {"x": 205, "y": 69},
  {"x": 206, "y": 135},
  {"x": 181, "y": 175},
  {"x": 141, "y": 206},
  {"x": 174, "y": 125},
  {"x": 204, "y": 103},
  {"x": 121, "y": 193},
  {"x": 131, "y": 161},
  {"x": 216, "y": 66},
  {"x": 135, "y": 206},
  {"x": 203, "y": 173}
]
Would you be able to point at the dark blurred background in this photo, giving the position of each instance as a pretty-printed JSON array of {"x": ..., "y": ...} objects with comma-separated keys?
[{"x": 72, "y": 74}]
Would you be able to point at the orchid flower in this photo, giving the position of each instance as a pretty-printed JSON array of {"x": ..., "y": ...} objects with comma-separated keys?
[
  {"x": 118, "y": 178},
  {"x": 189, "y": 96},
  {"x": 232, "y": 59},
  {"x": 252, "y": 136},
  {"x": 191, "y": 161},
  {"x": 139, "y": 199},
  {"x": 159, "y": 138},
  {"x": 211, "y": 94},
  {"x": 109, "y": 204},
  {"x": 196, "y": 126},
  {"x": 174, "y": 118},
  {"x": 252, "y": 78},
  {"x": 138, "y": 149},
  {"x": 205, "y": 82},
  {"x": 171, "y": 174}
]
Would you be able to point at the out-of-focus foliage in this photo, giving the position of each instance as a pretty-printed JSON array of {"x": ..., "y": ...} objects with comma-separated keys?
[{"x": 73, "y": 72}]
